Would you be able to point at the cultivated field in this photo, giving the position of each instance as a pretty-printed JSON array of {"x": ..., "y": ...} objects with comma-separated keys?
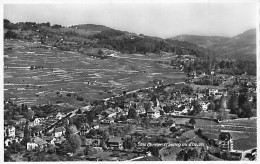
[{"x": 72, "y": 72}]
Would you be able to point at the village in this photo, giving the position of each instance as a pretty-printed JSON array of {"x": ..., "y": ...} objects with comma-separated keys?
[
  {"x": 92, "y": 93},
  {"x": 180, "y": 121}
]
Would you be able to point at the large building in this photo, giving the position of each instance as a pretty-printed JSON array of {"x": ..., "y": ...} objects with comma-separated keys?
[{"x": 225, "y": 141}]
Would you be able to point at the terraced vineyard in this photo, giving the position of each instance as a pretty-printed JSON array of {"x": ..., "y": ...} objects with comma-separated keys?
[{"x": 62, "y": 72}]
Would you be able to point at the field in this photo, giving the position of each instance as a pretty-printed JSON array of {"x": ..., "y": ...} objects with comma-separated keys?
[
  {"x": 63, "y": 72},
  {"x": 243, "y": 131}
]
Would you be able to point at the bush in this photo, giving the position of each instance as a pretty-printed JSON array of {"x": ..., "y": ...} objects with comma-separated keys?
[{"x": 80, "y": 98}]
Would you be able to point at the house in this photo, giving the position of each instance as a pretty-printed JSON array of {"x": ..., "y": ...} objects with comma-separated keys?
[
  {"x": 108, "y": 120},
  {"x": 84, "y": 129},
  {"x": 186, "y": 109},
  {"x": 222, "y": 92},
  {"x": 115, "y": 142},
  {"x": 10, "y": 131},
  {"x": 153, "y": 112},
  {"x": 179, "y": 111},
  {"x": 95, "y": 126},
  {"x": 225, "y": 141},
  {"x": 8, "y": 141},
  {"x": 36, "y": 142},
  {"x": 58, "y": 132},
  {"x": 140, "y": 109},
  {"x": 204, "y": 105},
  {"x": 59, "y": 115},
  {"x": 213, "y": 91},
  {"x": 35, "y": 122},
  {"x": 21, "y": 121},
  {"x": 91, "y": 142}
]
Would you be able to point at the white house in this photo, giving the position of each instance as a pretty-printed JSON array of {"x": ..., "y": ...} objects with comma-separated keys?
[
  {"x": 10, "y": 130},
  {"x": 213, "y": 91},
  {"x": 58, "y": 132},
  {"x": 204, "y": 105},
  {"x": 36, "y": 142}
]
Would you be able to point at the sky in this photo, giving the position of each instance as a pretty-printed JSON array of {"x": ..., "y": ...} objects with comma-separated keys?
[{"x": 154, "y": 19}]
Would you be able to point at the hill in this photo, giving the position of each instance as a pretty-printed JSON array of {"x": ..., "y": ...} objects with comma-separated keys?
[
  {"x": 91, "y": 27},
  {"x": 203, "y": 41},
  {"x": 239, "y": 47}
]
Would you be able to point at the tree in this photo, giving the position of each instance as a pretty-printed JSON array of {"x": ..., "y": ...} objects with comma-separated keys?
[
  {"x": 154, "y": 151},
  {"x": 10, "y": 35},
  {"x": 79, "y": 121},
  {"x": 7, "y": 156},
  {"x": 92, "y": 132},
  {"x": 79, "y": 111},
  {"x": 166, "y": 109},
  {"x": 192, "y": 121},
  {"x": 225, "y": 155},
  {"x": 199, "y": 132},
  {"x": 211, "y": 106},
  {"x": 135, "y": 95},
  {"x": 132, "y": 113},
  {"x": 105, "y": 135},
  {"x": 128, "y": 143},
  {"x": 147, "y": 105},
  {"x": 30, "y": 114},
  {"x": 72, "y": 129},
  {"x": 26, "y": 137},
  {"x": 173, "y": 129},
  {"x": 233, "y": 104},
  {"x": 182, "y": 156},
  {"x": 90, "y": 116},
  {"x": 242, "y": 99},
  {"x": 122, "y": 118},
  {"x": 75, "y": 142},
  {"x": 196, "y": 108},
  {"x": 247, "y": 108},
  {"x": 223, "y": 102},
  {"x": 187, "y": 90},
  {"x": 192, "y": 153}
]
